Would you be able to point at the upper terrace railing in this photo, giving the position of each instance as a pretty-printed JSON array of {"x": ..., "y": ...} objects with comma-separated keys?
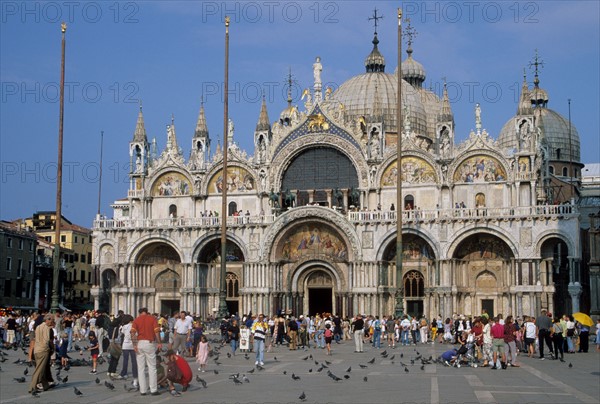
[{"x": 359, "y": 217}]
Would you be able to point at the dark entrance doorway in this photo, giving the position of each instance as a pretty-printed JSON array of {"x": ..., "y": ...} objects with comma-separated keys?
[
  {"x": 414, "y": 307},
  {"x": 319, "y": 300},
  {"x": 488, "y": 306},
  {"x": 233, "y": 306},
  {"x": 169, "y": 306}
]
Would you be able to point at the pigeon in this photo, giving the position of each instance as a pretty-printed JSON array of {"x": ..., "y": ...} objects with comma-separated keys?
[
  {"x": 19, "y": 379},
  {"x": 251, "y": 370},
  {"x": 237, "y": 381},
  {"x": 228, "y": 355},
  {"x": 26, "y": 371},
  {"x": 334, "y": 377},
  {"x": 406, "y": 370},
  {"x": 245, "y": 379},
  {"x": 417, "y": 352},
  {"x": 260, "y": 367},
  {"x": 310, "y": 356},
  {"x": 235, "y": 376},
  {"x": 66, "y": 368},
  {"x": 327, "y": 362},
  {"x": 304, "y": 359},
  {"x": 324, "y": 366},
  {"x": 302, "y": 397},
  {"x": 246, "y": 356},
  {"x": 362, "y": 366},
  {"x": 66, "y": 379},
  {"x": 201, "y": 381},
  {"x": 349, "y": 369},
  {"x": 35, "y": 394},
  {"x": 346, "y": 377},
  {"x": 320, "y": 369},
  {"x": 97, "y": 380},
  {"x": 392, "y": 357},
  {"x": 316, "y": 363},
  {"x": 402, "y": 355},
  {"x": 412, "y": 361},
  {"x": 310, "y": 370},
  {"x": 384, "y": 353},
  {"x": 275, "y": 358},
  {"x": 217, "y": 363},
  {"x": 109, "y": 385},
  {"x": 295, "y": 377},
  {"x": 365, "y": 379},
  {"x": 77, "y": 391},
  {"x": 285, "y": 372},
  {"x": 384, "y": 356},
  {"x": 372, "y": 361},
  {"x": 216, "y": 371},
  {"x": 422, "y": 367},
  {"x": 570, "y": 365}
]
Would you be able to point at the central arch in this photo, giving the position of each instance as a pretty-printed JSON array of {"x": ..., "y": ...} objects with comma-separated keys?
[{"x": 318, "y": 284}]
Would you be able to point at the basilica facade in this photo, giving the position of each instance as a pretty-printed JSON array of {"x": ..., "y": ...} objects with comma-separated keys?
[{"x": 312, "y": 221}]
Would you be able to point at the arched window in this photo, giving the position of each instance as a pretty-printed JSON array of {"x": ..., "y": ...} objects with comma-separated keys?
[
  {"x": 232, "y": 285},
  {"x": 414, "y": 284},
  {"x": 409, "y": 202},
  {"x": 480, "y": 200},
  {"x": 173, "y": 211},
  {"x": 551, "y": 170},
  {"x": 167, "y": 280},
  {"x": 565, "y": 172},
  {"x": 232, "y": 208}
]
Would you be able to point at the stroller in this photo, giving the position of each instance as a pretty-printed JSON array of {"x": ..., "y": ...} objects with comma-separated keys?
[{"x": 465, "y": 356}]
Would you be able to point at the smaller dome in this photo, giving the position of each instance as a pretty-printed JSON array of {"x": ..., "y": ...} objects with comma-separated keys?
[
  {"x": 288, "y": 115},
  {"x": 539, "y": 97},
  {"x": 413, "y": 71}
]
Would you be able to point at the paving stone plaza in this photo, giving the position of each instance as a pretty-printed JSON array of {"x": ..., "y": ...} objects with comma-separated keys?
[{"x": 384, "y": 381}]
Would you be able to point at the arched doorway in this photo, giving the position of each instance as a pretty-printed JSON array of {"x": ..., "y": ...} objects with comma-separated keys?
[
  {"x": 167, "y": 285},
  {"x": 480, "y": 264},
  {"x": 414, "y": 292},
  {"x": 158, "y": 266},
  {"x": 107, "y": 282},
  {"x": 208, "y": 267},
  {"x": 556, "y": 253},
  {"x": 319, "y": 289}
]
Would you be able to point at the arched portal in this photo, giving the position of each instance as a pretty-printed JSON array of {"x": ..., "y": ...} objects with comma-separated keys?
[
  {"x": 482, "y": 264},
  {"x": 414, "y": 292},
  {"x": 107, "y": 282},
  {"x": 158, "y": 266},
  {"x": 557, "y": 272},
  {"x": 208, "y": 274},
  {"x": 319, "y": 289}
]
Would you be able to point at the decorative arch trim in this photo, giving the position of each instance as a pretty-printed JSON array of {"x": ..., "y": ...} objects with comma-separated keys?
[
  {"x": 305, "y": 268},
  {"x": 282, "y": 161},
  {"x": 474, "y": 230},
  {"x": 391, "y": 235},
  {"x": 548, "y": 234},
  {"x": 134, "y": 251},
  {"x": 294, "y": 217},
  {"x": 202, "y": 242}
]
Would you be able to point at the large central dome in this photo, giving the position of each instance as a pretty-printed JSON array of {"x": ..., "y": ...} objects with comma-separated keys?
[{"x": 361, "y": 93}]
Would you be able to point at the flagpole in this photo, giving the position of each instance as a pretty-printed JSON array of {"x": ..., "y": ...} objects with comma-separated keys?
[
  {"x": 222, "y": 290},
  {"x": 59, "y": 163},
  {"x": 100, "y": 176},
  {"x": 399, "y": 310}
]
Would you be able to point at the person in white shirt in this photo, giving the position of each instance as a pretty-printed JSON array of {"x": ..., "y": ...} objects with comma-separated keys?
[
  {"x": 530, "y": 335},
  {"x": 128, "y": 351},
  {"x": 181, "y": 333}
]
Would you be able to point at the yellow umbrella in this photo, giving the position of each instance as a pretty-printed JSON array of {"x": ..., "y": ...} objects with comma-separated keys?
[{"x": 583, "y": 319}]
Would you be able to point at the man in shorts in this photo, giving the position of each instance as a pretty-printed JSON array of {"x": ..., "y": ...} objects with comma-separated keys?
[{"x": 497, "y": 332}]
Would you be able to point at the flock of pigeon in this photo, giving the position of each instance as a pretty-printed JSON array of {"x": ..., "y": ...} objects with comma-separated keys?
[{"x": 238, "y": 379}]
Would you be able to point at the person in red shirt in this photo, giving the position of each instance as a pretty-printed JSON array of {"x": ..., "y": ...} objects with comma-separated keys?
[
  {"x": 497, "y": 332},
  {"x": 477, "y": 331},
  {"x": 178, "y": 371},
  {"x": 144, "y": 332}
]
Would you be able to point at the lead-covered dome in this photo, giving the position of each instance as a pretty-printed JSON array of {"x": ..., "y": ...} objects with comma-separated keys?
[{"x": 562, "y": 139}]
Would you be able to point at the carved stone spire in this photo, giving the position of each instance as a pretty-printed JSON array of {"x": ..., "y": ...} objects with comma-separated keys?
[
  {"x": 524, "y": 107},
  {"x": 201, "y": 127},
  {"x": 446, "y": 112},
  {"x": 263, "y": 119},
  {"x": 140, "y": 130}
]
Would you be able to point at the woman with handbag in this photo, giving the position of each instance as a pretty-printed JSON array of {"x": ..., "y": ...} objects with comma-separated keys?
[
  {"x": 115, "y": 351},
  {"x": 128, "y": 352}
]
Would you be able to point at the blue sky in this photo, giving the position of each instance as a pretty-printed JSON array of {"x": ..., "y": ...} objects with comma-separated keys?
[{"x": 168, "y": 54}]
